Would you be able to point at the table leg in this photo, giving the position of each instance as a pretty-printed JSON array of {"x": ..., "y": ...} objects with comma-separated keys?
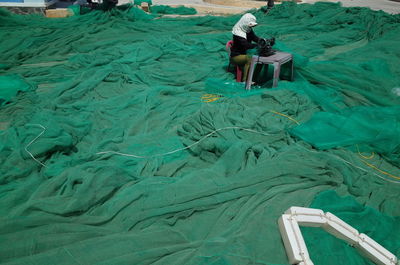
[
  {"x": 277, "y": 71},
  {"x": 250, "y": 74},
  {"x": 292, "y": 71}
]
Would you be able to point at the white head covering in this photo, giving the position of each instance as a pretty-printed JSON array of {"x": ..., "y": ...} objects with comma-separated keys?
[{"x": 244, "y": 25}]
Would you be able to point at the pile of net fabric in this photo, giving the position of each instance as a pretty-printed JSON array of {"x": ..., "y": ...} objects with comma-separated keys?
[{"x": 124, "y": 140}]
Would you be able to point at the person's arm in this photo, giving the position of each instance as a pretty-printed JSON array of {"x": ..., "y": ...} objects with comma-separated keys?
[
  {"x": 242, "y": 42},
  {"x": 252, "y": 36}
]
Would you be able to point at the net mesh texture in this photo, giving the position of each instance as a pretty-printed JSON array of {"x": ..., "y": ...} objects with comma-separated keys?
[{"x": 124, "y": 140}]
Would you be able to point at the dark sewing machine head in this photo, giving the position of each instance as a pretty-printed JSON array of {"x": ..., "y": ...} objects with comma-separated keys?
[{"x": 264, "y": 47}]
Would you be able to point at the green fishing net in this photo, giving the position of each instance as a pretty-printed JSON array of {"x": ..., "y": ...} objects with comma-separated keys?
[
  {"x": 373, "y": 129},
  {"x": 181, "y": 10},
  {"x": 134, "y": 145},
  {"x": 365, "y": 219},
  {"x": 10, "y": 85}
]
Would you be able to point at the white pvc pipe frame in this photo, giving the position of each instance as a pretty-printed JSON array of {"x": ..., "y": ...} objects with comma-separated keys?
[{"x": 296, "y": 248}]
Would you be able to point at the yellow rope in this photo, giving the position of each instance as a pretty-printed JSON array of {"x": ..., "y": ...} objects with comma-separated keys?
[
  {"x": 210, "y": 100},
  {"x": 286, "y": 116},
  {"x": 365, "y": 157},
  {"x": 210, "y": 97},
  {"x": 213, "y": 97},
  {"x": 381, "y": 171}
]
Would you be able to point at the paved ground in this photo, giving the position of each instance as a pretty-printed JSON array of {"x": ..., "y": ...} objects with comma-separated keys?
[
  {"x": 199, "y": 5},
  {"x": 385, "y": 5}
]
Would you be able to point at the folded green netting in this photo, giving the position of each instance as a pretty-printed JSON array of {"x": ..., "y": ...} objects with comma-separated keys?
[
  {"x": 3, "y": 67},
  {"x": 10, "y": 85},
  {"x": 180, "y": 10},
  {"x": 137, "y": 146},
  {"x": 375, "y": 129},
  {"x": 324, "y": 247}
]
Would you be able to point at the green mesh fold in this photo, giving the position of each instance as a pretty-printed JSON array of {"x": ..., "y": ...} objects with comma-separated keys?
[
  {"x": 324, "y": 247},
  {"x": 10, "y": 85},
  {"x": 133, "y": 144},
  {"x": 180, "y": 10}
]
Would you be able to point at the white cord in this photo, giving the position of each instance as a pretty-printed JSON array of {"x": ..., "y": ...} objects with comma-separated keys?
[
  {"x": 190, "y": 146},
  {"x": 31, "y": 142},
  {"x": 360, "y": 168},
  {"x": 397, "y": 182},
  {"x": 184, "y": 148}
]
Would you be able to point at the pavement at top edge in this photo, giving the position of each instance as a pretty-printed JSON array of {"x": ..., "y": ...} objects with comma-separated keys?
[{"x": 388, "y": 6}]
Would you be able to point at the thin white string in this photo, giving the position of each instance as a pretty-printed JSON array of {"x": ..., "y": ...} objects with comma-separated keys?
[
  {"x": 392, "y": 181},
  {"x": 31, "y": 142},
  {"x": 226, "y": 128},
  {"x": 184, "y": 148},
  {"x": 360, "y": 168},
  {"x": 190, "y": 146}
]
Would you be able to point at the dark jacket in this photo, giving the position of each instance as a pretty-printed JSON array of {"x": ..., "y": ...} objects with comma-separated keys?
[{"x": 241, "y": 45}]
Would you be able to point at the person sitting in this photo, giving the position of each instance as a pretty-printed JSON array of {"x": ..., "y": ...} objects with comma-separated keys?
[{"x": 243, "y": 36}]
